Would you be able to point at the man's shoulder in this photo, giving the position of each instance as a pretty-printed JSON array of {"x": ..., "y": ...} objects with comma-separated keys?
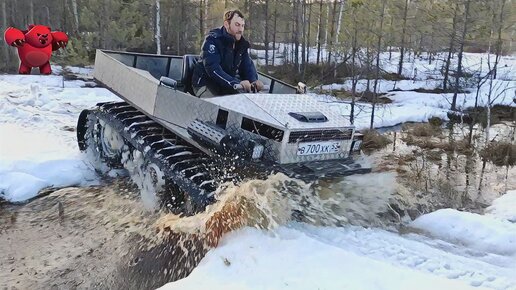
[{"x": 215, "y": 33}]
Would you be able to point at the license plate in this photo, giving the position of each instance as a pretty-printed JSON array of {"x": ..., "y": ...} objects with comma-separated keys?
[{"x": 312, "y": 148}]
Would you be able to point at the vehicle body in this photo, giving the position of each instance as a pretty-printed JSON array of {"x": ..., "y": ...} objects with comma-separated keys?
[{"x": 281, "y": 130}]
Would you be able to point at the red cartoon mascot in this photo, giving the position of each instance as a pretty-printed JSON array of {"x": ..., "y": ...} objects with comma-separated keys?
[{"x": 35, "y": 46}]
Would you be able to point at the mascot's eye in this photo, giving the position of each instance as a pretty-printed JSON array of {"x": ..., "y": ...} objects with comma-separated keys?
[{"x": 38, "y": 34}]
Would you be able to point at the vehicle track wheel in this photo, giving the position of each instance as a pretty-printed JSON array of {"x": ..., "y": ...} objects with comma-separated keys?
[
  {"x": 110, "y": 145},
  {"x": 153, "y": 184}
]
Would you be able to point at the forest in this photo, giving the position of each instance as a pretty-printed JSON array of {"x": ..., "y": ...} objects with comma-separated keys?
[{"x": 352, "y": 33}]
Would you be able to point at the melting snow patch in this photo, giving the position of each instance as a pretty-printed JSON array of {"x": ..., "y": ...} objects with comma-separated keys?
[
  {"x": 504, "y": 207},
  {"x": 19, "y": 186},
  {"x": 250, "y": 259},
  {"x": 484, "y": 233}
]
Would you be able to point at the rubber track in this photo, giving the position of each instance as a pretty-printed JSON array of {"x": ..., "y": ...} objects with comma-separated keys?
[{"x": 183, "y": 165}]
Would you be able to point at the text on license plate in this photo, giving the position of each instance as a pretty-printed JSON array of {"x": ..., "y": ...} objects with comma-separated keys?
[{"x": 311, "y": 148}]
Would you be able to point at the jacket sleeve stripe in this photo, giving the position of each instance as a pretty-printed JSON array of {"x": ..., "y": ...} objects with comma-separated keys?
[{"x": 222, "y": 78}]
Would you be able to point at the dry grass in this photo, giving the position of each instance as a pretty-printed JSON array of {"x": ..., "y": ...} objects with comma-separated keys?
[
  {"x": 435, "y": 121},
  {"x": 374, "y": 141},
  {"x": 500, "y": 153},
  {"x": 461, "y": 146},
  {"x": 434, "y": 155},
  {"x": 422, "y": 130}
]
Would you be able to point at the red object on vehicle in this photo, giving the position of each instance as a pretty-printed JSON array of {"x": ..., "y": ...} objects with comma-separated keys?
[{"x": 35, "y": 46}]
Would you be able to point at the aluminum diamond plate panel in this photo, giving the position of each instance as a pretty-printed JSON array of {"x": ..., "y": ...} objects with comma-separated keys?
[{"x": 274, "y": 109}]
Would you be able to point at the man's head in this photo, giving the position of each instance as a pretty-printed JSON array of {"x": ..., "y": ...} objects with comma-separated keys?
[{"x": 234, "y": 23}]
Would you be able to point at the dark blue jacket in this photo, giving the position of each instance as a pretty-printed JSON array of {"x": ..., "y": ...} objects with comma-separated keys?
[{"x": 224, "y": 62}]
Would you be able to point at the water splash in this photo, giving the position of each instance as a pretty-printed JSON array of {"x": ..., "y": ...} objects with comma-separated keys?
[{"x": 277, "y": 200}]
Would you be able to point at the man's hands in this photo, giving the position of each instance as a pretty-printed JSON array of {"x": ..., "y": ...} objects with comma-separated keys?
[
  {"x": 246, "y": 86},
  {"x": 254, "y": 87},
  {"x": 258, "y": 85}
]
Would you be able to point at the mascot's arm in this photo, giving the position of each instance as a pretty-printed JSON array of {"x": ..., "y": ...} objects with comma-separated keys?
[
  {"x": 60, "y": 39},
  {"x": 12, "y": 34}
]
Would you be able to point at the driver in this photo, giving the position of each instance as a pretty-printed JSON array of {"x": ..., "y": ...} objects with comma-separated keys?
[{"x": 225, "y": 61}]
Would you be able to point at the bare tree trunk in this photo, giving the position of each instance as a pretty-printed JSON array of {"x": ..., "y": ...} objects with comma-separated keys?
[
  {"x": 377, "y": 72},
  {"x": 266, "y": 40},
  {"x": 303, "y": 37},
  {"x": 158, "y": 27},
  {"x": 391, "y": 36},
  {"x": 75, "y": 12},
  {"x": 309, "y": 29},
  {"x": 31, "y": 12},
  {"x": 403, "y": 31},
  {"x": 482, "y": 171},
  {"x": 249, "y": 21},
  {"x": 449, "y": 154},
  {"x": 274, "y": 32},
  {"x": 326, "y": 28},
  {"x": 467, "y": 171},
  {"x": 339, "y": 22},
  {"x": 507, "y": 158},
  {"x": 319, "y": 31},
  {"x": 368, "y": 68},
  {"x": 47, "y": 14},
  {"x": 63, "y": 16},
  {"x": 354, "y": 78},
  {"x": 450, "y": 48},
  {"x": 499, "y": 42},
  {"x": 182, "y": 31},
  {"x": 332, "y": 31},
  {"x": 102, "y": 24},
  {"x": 206, "y": 9},
  {"x": 461, "y": 50},
  {"x": 201, "y": 20},
  {"x": 296, "y": 35},
  {"x": 489, "y": 93}
]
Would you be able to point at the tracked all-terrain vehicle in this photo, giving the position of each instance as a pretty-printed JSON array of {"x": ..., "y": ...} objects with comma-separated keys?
[{"x": 182, "y": 147}]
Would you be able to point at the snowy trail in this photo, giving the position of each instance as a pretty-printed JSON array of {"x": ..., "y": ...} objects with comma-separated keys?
[
  {"x": 428, "y": 255},
  {"x": 306, "y": 257}
]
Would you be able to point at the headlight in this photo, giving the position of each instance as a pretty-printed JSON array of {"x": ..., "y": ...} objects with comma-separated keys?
[
  {"x": 358, "y": 139},
  {"x": 257, "y": 151}
]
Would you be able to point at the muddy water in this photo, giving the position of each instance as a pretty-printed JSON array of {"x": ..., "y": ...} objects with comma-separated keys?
[
  {"x": 432, "y": 176},
  {"x": 82, "y": 238},
  {"x": 104, "y": 237}
]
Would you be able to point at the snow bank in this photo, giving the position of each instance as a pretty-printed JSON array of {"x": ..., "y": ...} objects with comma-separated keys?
[
  {"x": 410, "y": 106},
  {"x": 38, "y": 146},
  {"x": 504, "y": 207},
  {"x": 31, "y": 160},
  {"x": 481, "y": 232},
  {"x": 385, "y": 86},
  {"x": 252, "y": 259}
]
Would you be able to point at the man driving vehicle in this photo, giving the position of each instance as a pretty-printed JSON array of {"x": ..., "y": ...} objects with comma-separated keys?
[{"x": 225, "y": 61}]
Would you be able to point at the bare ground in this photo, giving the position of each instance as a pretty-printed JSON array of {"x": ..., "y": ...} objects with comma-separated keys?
[{"x": 87, "y": 238}]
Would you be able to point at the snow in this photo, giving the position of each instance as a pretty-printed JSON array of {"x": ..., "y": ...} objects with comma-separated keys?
[
  {"x": 446, "y": 249},
  {"x": 483, "y": 233},
  {"x": 38, "y": 146},
  {"x": 411, "y": 106},
  {"x": 414, "y": 67},
  {"x": 504, "y": 207},
  {"x": 459, "y": 250},
  {"x": 299, "y": 256}
]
